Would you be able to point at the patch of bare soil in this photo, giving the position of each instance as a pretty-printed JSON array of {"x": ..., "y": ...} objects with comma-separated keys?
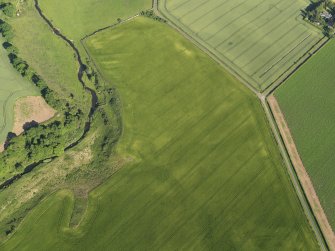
[
  {"x": 30, "y": 109},
  {"x": 302, "y": 173}
]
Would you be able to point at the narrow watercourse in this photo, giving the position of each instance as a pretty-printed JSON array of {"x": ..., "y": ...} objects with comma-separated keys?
[
  {"x": 93, "y": 107},
  {"x": 82, "y": 68}
]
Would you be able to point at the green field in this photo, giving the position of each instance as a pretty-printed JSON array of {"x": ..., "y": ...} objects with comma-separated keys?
[
  {"x": 308, "y": 102},
  {"x": 47, "y": 55},
  {"x": 12, "y": 87},
  {"x": 205, "y": 172},
  {"x": 82, "y": 17},
  {"x": 259, "y": 40}
]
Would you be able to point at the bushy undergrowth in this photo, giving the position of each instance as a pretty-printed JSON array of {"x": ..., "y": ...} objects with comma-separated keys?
[
  {"x": 8, "y": 9},
  {"x": 151, "y": 14}
]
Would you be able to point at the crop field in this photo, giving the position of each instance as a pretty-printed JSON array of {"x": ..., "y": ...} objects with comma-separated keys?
[
  {"x": 12, "y": 87},
  {"x": 82, "y": 17},
  {"x": 204, "y": 170},
  {"x": 259, "y": 40},
  {"x": 307, "y": 100}
]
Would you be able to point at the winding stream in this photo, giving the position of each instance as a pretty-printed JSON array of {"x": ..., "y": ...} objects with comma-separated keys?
[
  {"x": 82, "y": 68},
  {"x": 94, "y": 100}
]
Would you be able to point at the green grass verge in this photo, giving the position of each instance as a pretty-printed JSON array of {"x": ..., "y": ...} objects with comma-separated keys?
[
  {"x": 12, "y": 87},
  {"x": 258, "y": 40},
  {"x": 307, "y": 100},
  {"x": 205, "y": 172}
]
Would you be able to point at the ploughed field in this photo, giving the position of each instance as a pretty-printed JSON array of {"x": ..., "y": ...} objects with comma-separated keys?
[
  {"x": 260, "y": 40},
  {"x": 308, "y": 102},
  {"x": 12, "y": 87},
  {"x": 204, "y": 170}
]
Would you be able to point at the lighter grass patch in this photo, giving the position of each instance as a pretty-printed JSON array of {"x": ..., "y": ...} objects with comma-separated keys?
[{"x": 181, "y": 48}]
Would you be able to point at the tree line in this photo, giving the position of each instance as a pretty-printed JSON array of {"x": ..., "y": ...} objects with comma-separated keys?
[
  {"x": 151, "y": 14},
  {"x": 37, "y": 141}
]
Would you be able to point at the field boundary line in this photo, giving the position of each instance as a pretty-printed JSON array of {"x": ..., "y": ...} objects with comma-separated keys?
[
  {"x": 294, "y": 54},
  {"x": 302, "y": 174},
  {"x": 83, "y": 43},
  {"x": 256, "y": 85},
  {"x": 265, "y": 49},
  {"x": 274, "y": 64},
  {"x": 262, "y": 95},
  {"x": 109, "y": 26},
  {"x": 204, "y": 49},
  {"x": 212, "y": 52},
  {"x": 311, "y": 52},
  {"x": 294, "y": 178}
]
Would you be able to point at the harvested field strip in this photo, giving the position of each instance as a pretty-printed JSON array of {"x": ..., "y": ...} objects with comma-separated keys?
[
  {"x": 302, "y": 173},
  {"x": 307, "y": 100},
  {"x": 245, "y": 35}
]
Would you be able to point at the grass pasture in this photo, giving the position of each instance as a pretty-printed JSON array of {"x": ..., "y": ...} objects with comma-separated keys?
[
  {"x": 12, "y": 87},
  {"x": 259, "y": 40},
  {"x": 82, "y": 17},
  {"x": 48, "y": 55},
  {"x": 205, "y": 172},
  {"x": 307, "y": 100}
]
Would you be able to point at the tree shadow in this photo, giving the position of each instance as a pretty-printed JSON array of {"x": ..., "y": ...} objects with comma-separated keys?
[
  {"x": 9, "y": 137},
  {"x": 29, "y": 125}
]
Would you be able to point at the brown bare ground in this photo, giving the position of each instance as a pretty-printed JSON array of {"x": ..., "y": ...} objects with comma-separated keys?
[
  {"x": 302, "y": 173},
  {"x": 28, "y": 109}
]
